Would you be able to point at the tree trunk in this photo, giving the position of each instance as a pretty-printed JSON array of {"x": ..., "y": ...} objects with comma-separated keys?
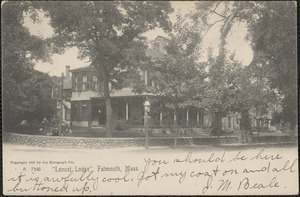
[
  {"x": 105, "y": 76},
  {"x": 216, "y": 124},
  {"x": 246, "y": 126},
  {"x": 245, "y": 122},
  {"x": 176, "y": 127}
]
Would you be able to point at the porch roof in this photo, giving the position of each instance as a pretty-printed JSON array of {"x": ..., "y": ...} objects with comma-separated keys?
[
  {"x": 83, "y": 68},
  {"x": 84, "y": 96},
  {"x": 88, "y": 95}
]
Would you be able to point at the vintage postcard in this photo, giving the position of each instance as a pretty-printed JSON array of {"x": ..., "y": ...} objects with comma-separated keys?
[{"x": 149, "y": 98}]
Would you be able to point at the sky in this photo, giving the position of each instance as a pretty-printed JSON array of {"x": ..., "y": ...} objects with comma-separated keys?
[{"x": 235, "y": 40}]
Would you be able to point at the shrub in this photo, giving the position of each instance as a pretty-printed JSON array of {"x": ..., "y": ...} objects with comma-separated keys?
[
  {"x": 121, "y": 125},
  {"x": 135, "y": 120}
]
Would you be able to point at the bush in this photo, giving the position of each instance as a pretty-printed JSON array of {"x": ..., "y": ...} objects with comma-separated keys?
[
  {"x": 121, "y": 125},
  {"x": 245, "y": 136},
  {"x": 135, "y": 120}
]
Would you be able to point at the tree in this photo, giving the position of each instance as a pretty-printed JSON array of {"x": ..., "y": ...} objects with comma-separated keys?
[
  {"x": 249, "y": 91},
  {"x": 272, "y": 32},
  {"x": 216, "y": 96},
  {"x": 274, "y": 38},
  {"x": 176, "y": 74},
  {"x": 19, "y": 49},
  {"x": 109, "y": 33}
]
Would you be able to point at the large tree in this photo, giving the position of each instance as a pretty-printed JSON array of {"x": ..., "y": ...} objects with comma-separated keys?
[
  {"x": 250, "y": 94},
  {"x": 274, "y": 38},
  {"x": 272, "y": 32},
  {"x": 108, "y": 33},
  {"x": 216, "y": 96},
  {"x": 21, "y": 83},
  {"x": 176, "y": 74}
]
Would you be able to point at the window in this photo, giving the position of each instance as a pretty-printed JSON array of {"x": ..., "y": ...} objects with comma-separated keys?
[
  {"x": 84, "y": 110},
  {"x": 95, "y": 83},
  {"x": 76, "y": 82},
  {"x": 75, "y": 111},
  {"x": 84, "y": 82}
]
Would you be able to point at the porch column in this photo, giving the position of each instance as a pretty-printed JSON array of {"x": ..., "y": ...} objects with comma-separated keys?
[
  {"x": 160, "y": 118},
  {"x": 197, "y": 117},
  {"x": 146, "y": 77},
  {"x": 160, "y": 115},
  {"x": 174, "y": 118},
  {"x": 233, "y": 122},
  {"x": 126, "y": 114},
  {"x": 187, "y": 116}
]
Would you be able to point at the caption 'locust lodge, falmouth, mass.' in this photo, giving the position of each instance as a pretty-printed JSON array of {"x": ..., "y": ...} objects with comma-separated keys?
[{"x": 84, "y": 104}]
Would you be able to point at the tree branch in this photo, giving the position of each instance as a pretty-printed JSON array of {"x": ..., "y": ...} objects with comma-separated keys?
[
  {"x": 219, "y": 14},
  {"x": 214, "y": 11},
  {"x": 211, "y": 27}
]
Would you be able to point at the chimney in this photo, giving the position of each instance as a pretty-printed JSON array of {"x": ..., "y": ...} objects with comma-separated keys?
[
  {"x": 67, "y": 72},
  {"x": 162, "y": 44}
]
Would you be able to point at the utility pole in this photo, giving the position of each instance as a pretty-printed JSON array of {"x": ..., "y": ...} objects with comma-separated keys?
[{"x": 61, "y": 104}]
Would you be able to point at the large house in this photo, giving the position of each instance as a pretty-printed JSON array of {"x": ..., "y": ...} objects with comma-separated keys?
[{"x": 86, "y": 106}]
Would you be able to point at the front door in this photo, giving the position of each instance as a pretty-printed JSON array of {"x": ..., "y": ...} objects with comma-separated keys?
[{"x": 98, "y": 111}]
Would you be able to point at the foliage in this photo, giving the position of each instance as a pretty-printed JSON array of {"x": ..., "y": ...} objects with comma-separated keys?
[
  {"x": 217, "y": 97},
  {"x": 109, "y": 33},
  {"x": 51, "y": 127},
  {"x": 176, "y": 73},
  {"x": 272, "y": 32},
  {"x": 26, "y": 92},
  {"x": 274, "y": 38},
  {"x": 121, "y": 125}
]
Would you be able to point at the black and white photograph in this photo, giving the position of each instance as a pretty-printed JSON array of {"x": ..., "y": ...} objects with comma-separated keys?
[{"x": 149, "y": 98}]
